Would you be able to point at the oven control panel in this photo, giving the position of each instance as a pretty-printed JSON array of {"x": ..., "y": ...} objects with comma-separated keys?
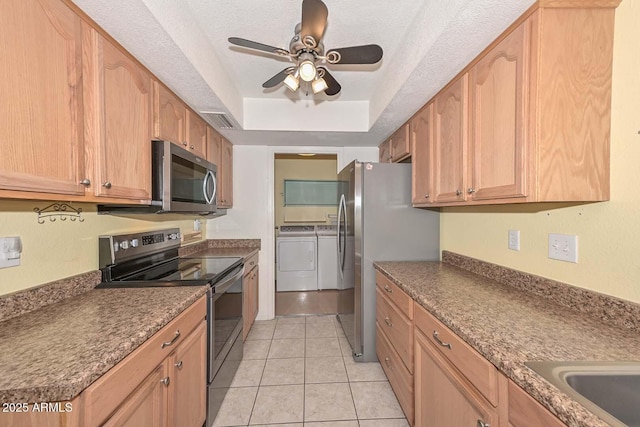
[{"x": 120, "y": 247}]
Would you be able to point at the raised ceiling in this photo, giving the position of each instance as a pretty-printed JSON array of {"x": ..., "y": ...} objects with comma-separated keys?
[{"x": 184, "y": 43}]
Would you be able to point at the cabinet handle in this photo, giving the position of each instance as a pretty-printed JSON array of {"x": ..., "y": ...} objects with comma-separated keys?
[
  {"x": 388, "y": 322},
  {"x": 437, "y": 338},
  {"x": 458, "y": 193},
  {"x": 470, "y": 190},
  {"x": 86, "y": 182},
  {"x": 426, "y": 196},
  {"x": 173, "y": 340},
  {"x": 388, "y": 289},
  {"x": 107, "y": 185},
  {"x": 178, "y": 365},
  {"x": 386, "y": 362},
  {"x": 165, "y": 381},
  {"x": 192, "y": 147},
  {"x": 184, "y": 143},
  {"x": 252, "y": 262},
  {"x": 482, "y": 424}
]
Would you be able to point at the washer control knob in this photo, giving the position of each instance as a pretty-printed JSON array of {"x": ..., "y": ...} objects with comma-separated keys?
[
  {"x": 135, "y": 243},
  {"x": 124, "y": 244},
  {"x": 116, "y": 247}
]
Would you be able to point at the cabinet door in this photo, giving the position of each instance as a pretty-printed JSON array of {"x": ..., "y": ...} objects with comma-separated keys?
[
  {"x": 214, "y": 146},
  {"x": 442, "y": 397},
  {"x": 384, "y": 152},
  {"x": 422, "y": 156},
  {"x": 225, "y": 175},
  {"x": 169, "y": 116},
  {"x": 118, "y": 102},
  {"x": 450, "y": 142},
  {"x": 400, "y": 144},
  {"x": 498, "y": 84},
  {"x": 41, "y": 136},
  {"x": 196, "y": 134},
  {"x": 188, "y": 398},
  {"x": 146, "y": 406}
]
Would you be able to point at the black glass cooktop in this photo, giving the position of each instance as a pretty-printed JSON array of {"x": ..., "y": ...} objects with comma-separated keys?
[{"x": 179, "y": 272}]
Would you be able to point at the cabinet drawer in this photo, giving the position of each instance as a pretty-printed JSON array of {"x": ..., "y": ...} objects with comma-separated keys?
[
  {"x": 478, "y": 370},
  {"x": 399, "y": 377},
  {"x": 102, "y": 397},
  {"x": 397, "y": 328},
  {"x": 250, "y": 262},
  {"x": 524, "y": 410},
  {"x": 395, "y": 294}
]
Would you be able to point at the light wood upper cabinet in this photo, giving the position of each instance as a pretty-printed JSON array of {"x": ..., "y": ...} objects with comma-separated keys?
[
  {"x": 450, "y": 142},
  {"x": 41, "y": 137},
  {"x": 118, "y": 100},
  {"x": 539, "y": 113},
  {"x": 400, "y": 144},
  {"x": 220, "y": 153},
  {"x": 174, "y": 121},
  {"x": 422, "y": 162},
  {"x": 384, "y": 152},
  {"x": 196, "y": 134},
  {"x": 169, "y": 116},
  {"x": 397, "y": 147},
  {"x": 498, "y": 148}
]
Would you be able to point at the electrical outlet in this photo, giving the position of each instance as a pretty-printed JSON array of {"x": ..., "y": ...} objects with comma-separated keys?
[
  {"x": 514, "y": 240},
  {"x": 563, "y": 247}
]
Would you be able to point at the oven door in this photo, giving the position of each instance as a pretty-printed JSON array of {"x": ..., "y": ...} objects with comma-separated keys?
[
  {"x": 226, "y": 312},
  {"x": 182, "y": 181}
]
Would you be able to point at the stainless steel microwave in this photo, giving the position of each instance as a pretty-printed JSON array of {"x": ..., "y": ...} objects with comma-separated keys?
[{"x": 181, "y": 182}]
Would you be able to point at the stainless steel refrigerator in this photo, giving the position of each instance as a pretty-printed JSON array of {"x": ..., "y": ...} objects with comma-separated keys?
[{"x": 376, "y": 223}]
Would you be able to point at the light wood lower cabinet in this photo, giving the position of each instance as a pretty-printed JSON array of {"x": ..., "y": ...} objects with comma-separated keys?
[
  {"x": 394, "y": 340},
  {"x": 442, "y": 396},
  {"x": 525, "y": 411},
  {"x": 250, "y": 301},
  {"x": 163, "y": 382}
]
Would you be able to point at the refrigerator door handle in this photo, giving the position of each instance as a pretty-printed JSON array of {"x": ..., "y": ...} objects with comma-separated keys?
[{"x": 340, "y": 239}]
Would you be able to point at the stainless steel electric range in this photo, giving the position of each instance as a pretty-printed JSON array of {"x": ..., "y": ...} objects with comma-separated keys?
[{"x": 150, "y": 259}]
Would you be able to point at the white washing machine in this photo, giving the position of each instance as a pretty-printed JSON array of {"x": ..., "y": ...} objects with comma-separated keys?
[
  {"x": 297, "y": 258},
  {"x": 327, "y": 257}
]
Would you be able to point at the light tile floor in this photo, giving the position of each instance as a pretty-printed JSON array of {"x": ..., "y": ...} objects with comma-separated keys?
[{"x": 298, "y": 371}]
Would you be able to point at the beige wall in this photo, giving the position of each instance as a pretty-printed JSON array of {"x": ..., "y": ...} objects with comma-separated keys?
[
  {"x": 302, "y": 168},
  {"x": 59, "y": 249},
  {"x": 608, "y": 232}
]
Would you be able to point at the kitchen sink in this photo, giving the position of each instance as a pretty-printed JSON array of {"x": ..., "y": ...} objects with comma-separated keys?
[{"x": 611, "y": 390}]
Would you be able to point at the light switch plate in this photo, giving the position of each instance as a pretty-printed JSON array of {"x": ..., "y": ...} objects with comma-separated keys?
[{"x": 563, "y": 247}]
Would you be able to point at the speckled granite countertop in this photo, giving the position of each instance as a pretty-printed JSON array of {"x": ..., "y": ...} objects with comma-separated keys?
[
  {"x": 222, "y": 247},
  {"x": 510, "y": 326},
  {"x": 53, "y": 353}
]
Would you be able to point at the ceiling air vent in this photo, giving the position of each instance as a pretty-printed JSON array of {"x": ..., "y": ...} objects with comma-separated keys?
[{"x": 218, "y": 120}]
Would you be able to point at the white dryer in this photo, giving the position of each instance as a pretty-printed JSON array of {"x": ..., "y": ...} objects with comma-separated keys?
[
  {"x": 297, "y": 258},
  {"x": 327, "y": 257}
]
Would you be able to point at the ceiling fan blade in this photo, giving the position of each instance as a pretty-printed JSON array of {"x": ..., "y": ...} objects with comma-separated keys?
[
  {"x": 277, "y": 79},
  {"x": 333, "y": 86},
  {"x": 314, "y": 20},
  {"x": 258, "y": 46},
  {"x": 365, "y": 54}
]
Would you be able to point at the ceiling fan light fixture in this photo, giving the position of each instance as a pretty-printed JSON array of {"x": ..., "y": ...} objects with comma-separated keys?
[
  {"x": 319, "y": 85},
  {"x": 292, "y": 82},
  {"x": 307, "y": 70}
]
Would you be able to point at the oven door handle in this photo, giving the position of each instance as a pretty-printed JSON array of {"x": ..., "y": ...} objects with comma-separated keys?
[{"x": 223, "y": 286}]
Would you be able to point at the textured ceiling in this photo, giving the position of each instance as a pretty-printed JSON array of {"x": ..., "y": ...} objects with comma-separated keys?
[{"x": 425, "y": 44}]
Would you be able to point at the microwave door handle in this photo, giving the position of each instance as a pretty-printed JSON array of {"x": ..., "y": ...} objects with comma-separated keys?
[{"x": 208, "y": 199}]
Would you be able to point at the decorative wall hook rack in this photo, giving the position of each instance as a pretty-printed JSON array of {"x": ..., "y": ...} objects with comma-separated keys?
[{"x": 58, "y": 210}]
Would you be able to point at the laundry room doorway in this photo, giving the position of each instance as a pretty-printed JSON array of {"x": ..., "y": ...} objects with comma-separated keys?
[{"x": 305, "y": 213}]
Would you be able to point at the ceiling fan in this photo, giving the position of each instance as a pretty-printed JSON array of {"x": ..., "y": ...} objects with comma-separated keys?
[{"x": 307, "y": 51}]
